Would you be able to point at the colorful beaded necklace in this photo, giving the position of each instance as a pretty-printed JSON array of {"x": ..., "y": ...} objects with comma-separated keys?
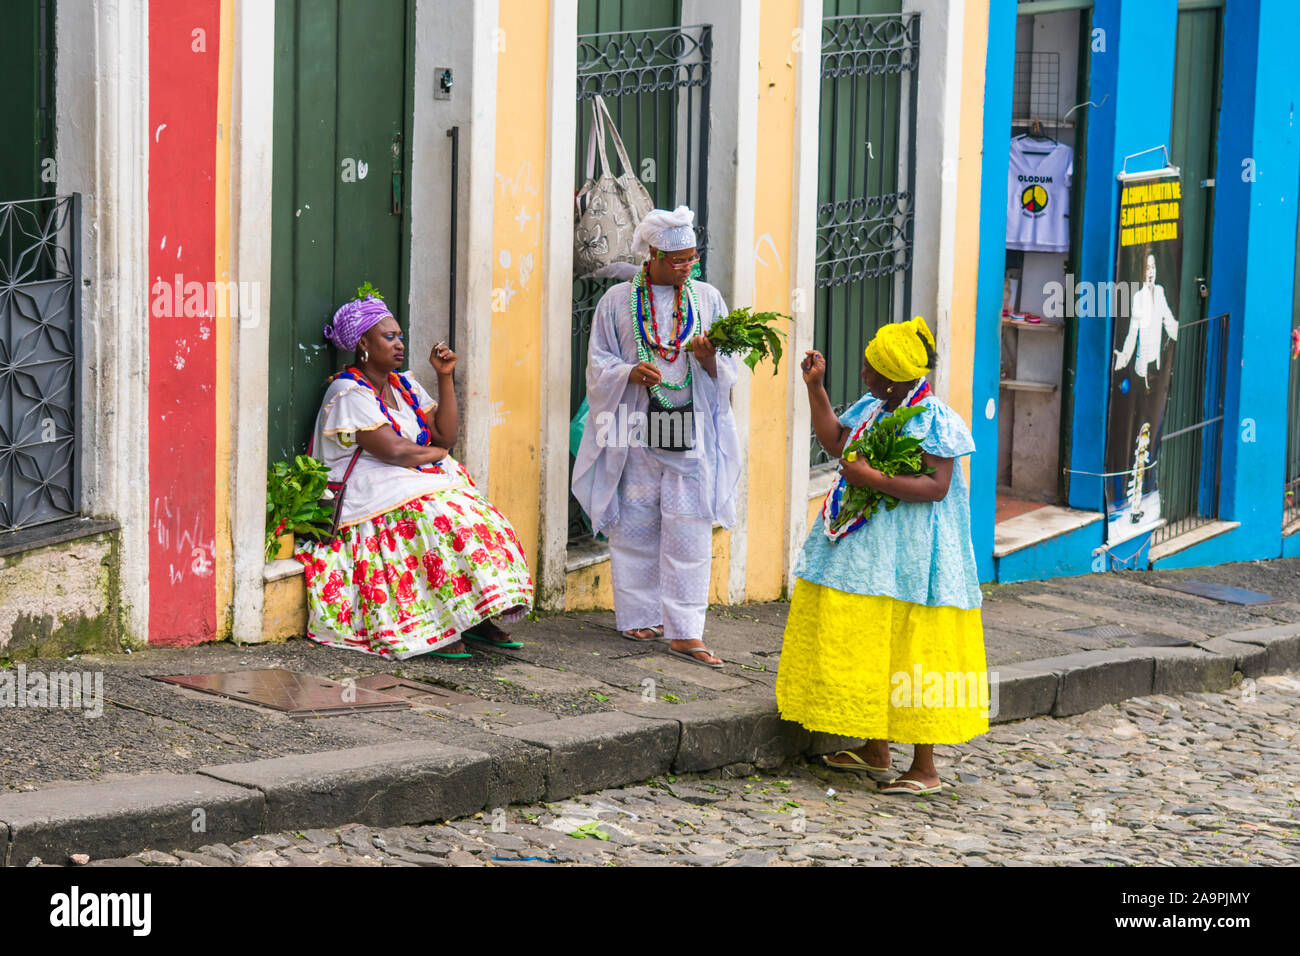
[
  {"x": 402, "y": 388},
  {"x": 643, "y": 307},
  {"x": 835, "y": 523}
]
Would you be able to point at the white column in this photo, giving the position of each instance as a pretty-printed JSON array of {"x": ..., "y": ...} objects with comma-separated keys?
[
  {"x": 803, "y": 263},
  {"x": 459, "y": 35},
  {"x": 732, "y": 177},
  {"x": 557, "y": 300},
  {"x": 102, "y": 131},
  {"x": 938, "y": 121},
  {"x": 251, "y": 140}
]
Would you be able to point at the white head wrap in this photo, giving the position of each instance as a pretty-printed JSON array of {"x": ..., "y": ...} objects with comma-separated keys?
[{"x": 664, "y": 230}]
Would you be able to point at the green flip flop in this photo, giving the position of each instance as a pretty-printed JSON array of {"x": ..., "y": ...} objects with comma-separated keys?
[
  {"x": 451, "y": 657},
  {"x": 489, "y": 642},
  {"x": 469, "y": 632}
]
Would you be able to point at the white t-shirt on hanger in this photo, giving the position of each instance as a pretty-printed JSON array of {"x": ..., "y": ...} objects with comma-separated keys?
[{"x": 1038, "y": 195}]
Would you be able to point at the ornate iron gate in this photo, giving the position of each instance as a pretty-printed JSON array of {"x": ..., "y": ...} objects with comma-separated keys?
[
  {"x": 656, "y": 85},
  {"x": 40, "y": 352},
  {"x": 1189, "y": 462},
  {"x": 866, "y": 202}
]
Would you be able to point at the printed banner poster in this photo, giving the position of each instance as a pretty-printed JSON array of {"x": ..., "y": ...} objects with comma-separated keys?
[{"x": 1148, "y": 271}]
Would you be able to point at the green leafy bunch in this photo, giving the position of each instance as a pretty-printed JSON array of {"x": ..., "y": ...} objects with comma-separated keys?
[
  {"x": 888, "y": 451},
  {"x": 741, "y": 331},
  {"x": 366, "y": 289},
  {"x": 293, "y": 500}
]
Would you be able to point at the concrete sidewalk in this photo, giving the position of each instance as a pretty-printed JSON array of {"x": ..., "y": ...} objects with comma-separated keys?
[{"x": 577, "y": 709}]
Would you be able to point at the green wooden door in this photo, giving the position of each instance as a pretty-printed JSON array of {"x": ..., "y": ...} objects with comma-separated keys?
[
  {"x": 27, "y": 99},
  {"x": 1182, "y": 467},
  {"x": 342, "y": 119}
]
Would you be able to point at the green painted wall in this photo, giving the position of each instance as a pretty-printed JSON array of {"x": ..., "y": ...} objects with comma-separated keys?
[{"x": 26, "y": 98}]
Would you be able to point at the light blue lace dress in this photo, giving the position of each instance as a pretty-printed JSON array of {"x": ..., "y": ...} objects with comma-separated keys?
[{"x": 921, "y": 551}]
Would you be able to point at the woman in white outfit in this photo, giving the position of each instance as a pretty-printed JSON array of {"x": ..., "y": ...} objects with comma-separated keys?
[{"x": 660, "y": 458}]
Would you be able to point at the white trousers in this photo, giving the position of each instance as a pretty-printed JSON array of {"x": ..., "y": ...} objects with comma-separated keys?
[{"x": 660, "y": 550}]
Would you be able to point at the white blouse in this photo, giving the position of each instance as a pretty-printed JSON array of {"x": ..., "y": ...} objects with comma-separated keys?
[{"x": 375, "y": 486}]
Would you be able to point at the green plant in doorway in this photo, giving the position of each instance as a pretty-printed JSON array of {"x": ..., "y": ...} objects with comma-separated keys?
[{"x": 294, "y": 490}]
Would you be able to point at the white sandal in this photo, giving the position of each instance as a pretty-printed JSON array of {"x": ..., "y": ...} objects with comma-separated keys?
[
  {"x": 689, "y": 655},
  {"x": 631, "y": 635}
]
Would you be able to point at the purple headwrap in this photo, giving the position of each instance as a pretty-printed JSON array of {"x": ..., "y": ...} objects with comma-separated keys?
[{"x": 354, "y": 319}]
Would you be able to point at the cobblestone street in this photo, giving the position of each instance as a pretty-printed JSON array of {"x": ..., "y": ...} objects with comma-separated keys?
[{"x": 1196, "y": 779}]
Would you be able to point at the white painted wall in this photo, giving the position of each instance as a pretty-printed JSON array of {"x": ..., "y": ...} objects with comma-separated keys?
[
  {"x": 458, "y": 34},
  {"x": 803, "y": 271},
  {"x": 251, "y": 140},
  {"x": 557, "y": 301},
  {"x": 938, "y": 120},
  {"x": 732, "y": 178},
  {"x": 102, "y": 104}
]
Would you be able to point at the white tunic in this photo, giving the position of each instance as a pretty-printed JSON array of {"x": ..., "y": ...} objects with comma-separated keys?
[
  {"x": 375, "y": 486},
  {"x": 713, "y": 467}
]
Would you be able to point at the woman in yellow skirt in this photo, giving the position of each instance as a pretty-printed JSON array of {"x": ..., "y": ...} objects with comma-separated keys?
[{"x": 884, "y": 640}]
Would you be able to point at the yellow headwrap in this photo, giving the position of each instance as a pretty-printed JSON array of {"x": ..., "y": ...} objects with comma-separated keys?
[{"x": 897, "y": 352}]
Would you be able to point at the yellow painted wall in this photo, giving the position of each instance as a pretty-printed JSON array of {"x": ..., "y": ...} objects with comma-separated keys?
[
  {"x": 517, "y": 265},
  {"x": 961, "y": 343},
  {"x": 773, "y": 214},
  {"x": 284, "y": 612}
]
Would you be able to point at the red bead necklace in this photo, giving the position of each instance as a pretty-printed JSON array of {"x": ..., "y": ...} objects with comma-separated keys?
[{"x": 667, "y": 353}]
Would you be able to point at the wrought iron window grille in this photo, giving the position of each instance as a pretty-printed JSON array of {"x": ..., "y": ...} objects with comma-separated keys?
[{"x": 40, "y": 354}]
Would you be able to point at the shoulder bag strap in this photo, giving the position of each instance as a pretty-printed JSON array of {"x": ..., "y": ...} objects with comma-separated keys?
[
  {"x": 617, "y": 140},
  {"x": 340, "y": 488}
]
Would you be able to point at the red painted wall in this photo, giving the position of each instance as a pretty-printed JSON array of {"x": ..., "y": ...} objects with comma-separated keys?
[{"x": 183, "y": 46}]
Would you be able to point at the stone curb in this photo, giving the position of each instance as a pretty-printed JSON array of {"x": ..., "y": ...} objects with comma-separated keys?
[
  {"x": 1282, "y": 644},
  {"x": 596, "y": 751},
  {"x": 382, "y": 785},
  {"x": 125, "y": 816},
  {"x": 413, "y": 782}
]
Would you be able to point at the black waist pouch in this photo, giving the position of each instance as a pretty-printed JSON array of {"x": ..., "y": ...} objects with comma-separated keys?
[{"x": 670, "y": 428}]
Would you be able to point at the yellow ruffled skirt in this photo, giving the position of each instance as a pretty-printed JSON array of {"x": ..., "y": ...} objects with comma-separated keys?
[{"x": 872, "y": 667}]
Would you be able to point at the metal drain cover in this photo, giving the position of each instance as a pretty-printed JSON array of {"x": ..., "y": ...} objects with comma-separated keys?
[
  {"x": 1217, "y": 592},
  {"x": 1101, "y": 631},
  {"x": 298, "y": 695},
  {"x": 418, "y": 692}
]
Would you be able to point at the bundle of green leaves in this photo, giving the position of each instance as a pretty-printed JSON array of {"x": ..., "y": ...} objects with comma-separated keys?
[
  {"x": 293, "y": 501},
  {"x": 888, "y": 451},
  {"x": 751, "y": 333},
  {"x": 366, "y": 289}
]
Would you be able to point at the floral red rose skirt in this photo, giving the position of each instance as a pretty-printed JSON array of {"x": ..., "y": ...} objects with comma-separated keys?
[{"x": 409, "y": 581}]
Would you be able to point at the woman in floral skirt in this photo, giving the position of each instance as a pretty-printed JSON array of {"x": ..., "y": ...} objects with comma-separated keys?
[{"x": 422, "y": 559}]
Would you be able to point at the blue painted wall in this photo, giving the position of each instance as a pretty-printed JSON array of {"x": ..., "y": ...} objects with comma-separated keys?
[
  {"x": 1252, "y": 275},
  {"x": 999, "y": 69},
  {"x": 1134, "y": 83}
]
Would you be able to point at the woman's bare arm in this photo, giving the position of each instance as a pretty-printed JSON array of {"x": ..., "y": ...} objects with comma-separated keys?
[{"x": 390, "y": 447}]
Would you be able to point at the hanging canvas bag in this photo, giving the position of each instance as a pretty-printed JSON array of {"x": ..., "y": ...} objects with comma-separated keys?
[{"x": 609, "y": 208}]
